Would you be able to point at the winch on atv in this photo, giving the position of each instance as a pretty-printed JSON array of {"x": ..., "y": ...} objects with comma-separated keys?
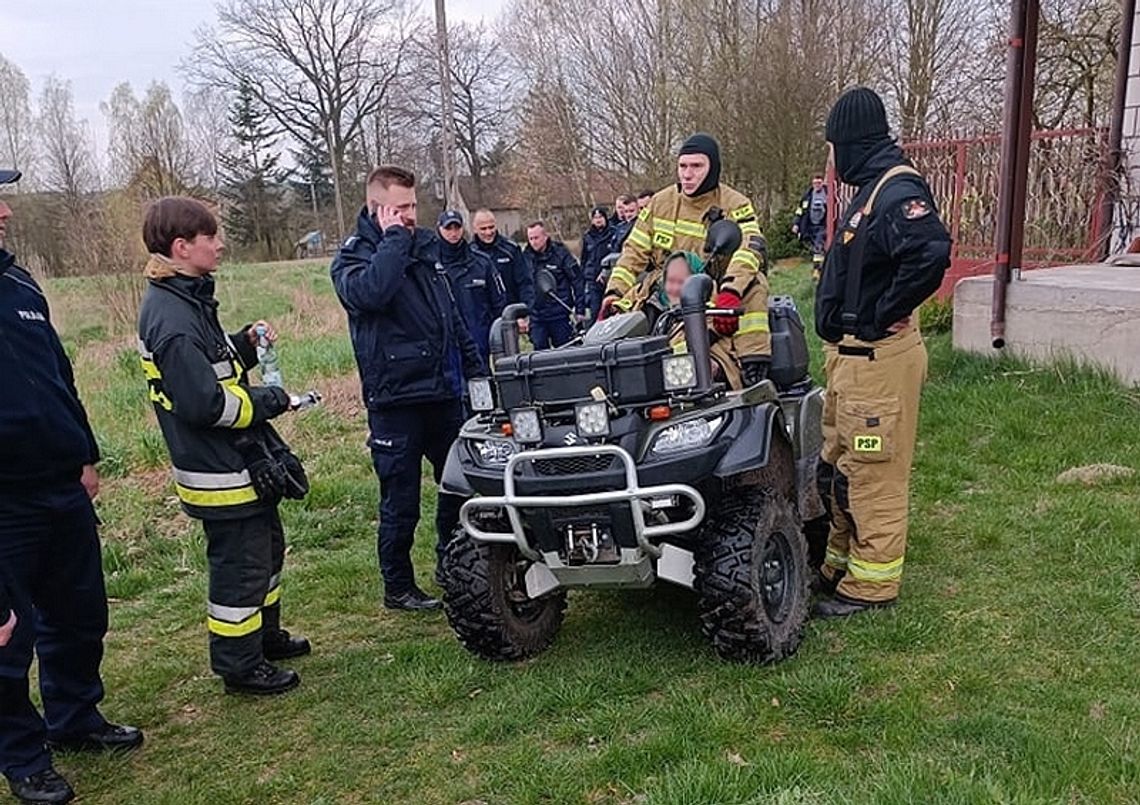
[{"x": 615, "y": 461}]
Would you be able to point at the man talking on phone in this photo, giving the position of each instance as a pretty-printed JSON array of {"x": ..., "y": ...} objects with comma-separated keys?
[{"x": 411, "y": 347}]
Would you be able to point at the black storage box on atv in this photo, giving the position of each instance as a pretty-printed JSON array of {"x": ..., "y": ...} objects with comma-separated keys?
[
  {"x": 629, "y": 372},
  {"x": 790, "y": 357}
]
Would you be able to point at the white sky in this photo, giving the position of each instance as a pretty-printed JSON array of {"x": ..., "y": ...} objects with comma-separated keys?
[{"x": 97, "y": 44}]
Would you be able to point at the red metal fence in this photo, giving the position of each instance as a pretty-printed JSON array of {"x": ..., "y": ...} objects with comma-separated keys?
[{"x": 1063, "y": 201}]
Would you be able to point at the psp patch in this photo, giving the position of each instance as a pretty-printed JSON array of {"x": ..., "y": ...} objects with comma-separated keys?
[
  {"x": 868, "y": 444},
  {"x": 915, "y": 208}
]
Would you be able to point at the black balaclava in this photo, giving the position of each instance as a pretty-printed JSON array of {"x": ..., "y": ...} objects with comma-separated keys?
[
  {"x": 857, "y": 127},
  {"x": 707, "y": 145}
]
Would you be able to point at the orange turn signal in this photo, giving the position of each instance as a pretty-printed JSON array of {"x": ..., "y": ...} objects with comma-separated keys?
[
  {"x": 659, "y": 412},
  {"x": 507, "y": 429}
]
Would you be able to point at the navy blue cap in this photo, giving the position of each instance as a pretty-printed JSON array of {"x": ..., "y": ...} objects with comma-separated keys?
[
  {"x": 9, "y": 176},
  {"x": 449, "y": 217}
]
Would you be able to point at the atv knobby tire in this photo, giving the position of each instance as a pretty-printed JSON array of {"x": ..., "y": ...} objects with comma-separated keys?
[
  {"x": 486, "y": 603},
  {"x": 751, "y": 578}
]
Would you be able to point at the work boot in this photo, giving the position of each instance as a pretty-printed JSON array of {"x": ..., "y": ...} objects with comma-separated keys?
[
  {"x": 264, "y": 679},
  {"x": 110, "y": 738},
  {"x": 822, "y": 585},
  {"x": 278, "y": 644},
  {"x": 413, "y": 600},
  {"x": 44, "y": 786},
  {"x": 841, "y": 606}
]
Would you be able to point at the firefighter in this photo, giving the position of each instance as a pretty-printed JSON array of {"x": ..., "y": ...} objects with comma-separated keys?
[
  {"x": 595, "y": 246},
  {"x": 230, "y": 467},
  {"x": 52, "y": 601},
  {"x": 677, "y": 219},
  {"x": 810, "y": 222},
  {"x": 889, "y": 254}
]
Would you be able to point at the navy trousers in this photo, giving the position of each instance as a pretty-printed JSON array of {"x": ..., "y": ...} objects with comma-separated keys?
[
  {"x": 402, "y": 437},
  {"x": 545, "y": 334},
  {"x": 51, "y": 561}
]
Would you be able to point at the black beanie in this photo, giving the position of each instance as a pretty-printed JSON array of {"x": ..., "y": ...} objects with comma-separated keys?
[
  {"x": 857, "y": 115},
  {"x": 704, "y": 144}
]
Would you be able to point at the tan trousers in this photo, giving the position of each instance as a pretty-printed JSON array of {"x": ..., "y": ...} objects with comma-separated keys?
[{"x": 870, "y": 422}]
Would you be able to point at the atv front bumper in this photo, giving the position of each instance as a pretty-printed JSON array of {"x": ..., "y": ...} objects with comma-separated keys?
[{"x": 638, "y": 498}]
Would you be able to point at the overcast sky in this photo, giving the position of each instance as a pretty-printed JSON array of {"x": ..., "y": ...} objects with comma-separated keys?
[{"x": 97, "y": 44}]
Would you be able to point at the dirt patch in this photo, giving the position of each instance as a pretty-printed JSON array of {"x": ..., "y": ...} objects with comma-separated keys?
[{"x": 1095, "y": 474}]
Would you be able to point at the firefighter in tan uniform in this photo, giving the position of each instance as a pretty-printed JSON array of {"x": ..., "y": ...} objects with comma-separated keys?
[
  {"x": 677, "y": 219},
  {"x": 888, "y": 255}
]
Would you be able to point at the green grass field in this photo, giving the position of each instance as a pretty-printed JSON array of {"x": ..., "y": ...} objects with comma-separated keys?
[{"x": 1008, "y": 674}]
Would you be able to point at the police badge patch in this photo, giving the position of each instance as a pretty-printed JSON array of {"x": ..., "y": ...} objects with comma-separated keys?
[{"x": 915, "y": 208}]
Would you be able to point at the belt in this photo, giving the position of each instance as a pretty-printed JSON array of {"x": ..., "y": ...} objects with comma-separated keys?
[{"x": 892, "y": 345}]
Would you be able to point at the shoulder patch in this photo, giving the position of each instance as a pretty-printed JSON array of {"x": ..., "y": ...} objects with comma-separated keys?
[
  {"x": 915, "y": 208},
  {"x": 644, "y": 214}
]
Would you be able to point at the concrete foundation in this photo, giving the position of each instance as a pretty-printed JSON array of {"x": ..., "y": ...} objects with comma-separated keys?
[{"x": 1088, "y": 313}]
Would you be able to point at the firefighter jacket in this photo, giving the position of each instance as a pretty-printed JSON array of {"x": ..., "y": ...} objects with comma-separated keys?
[
  {"x": 676, "y": 222},
  {"x": 197, "y": 376},
  {"x": 44, "y": 433},
  {"x": 905, "y": 251}
]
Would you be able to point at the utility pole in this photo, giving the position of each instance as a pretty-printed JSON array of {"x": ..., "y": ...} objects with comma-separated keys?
[{"x": 451, "y": 194}]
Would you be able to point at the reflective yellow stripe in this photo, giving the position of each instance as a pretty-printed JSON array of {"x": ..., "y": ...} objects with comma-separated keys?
[
  {"x": 693, "y": 229},
  {"x": 216, "y": 497},
  {"x": 273, "y": 596},
  {"x": 154, "y": 384},
  {"x": 150, "y": 369},
  {"x": 664, "y": 225},
  {"x": 875, "y": 572},
  {"x": 623, "y": 304},
  {"x": 746, "y": 256},
  {"x": 753, "y": 323},
  {"x": 623, "y": 275},
  {"x": 750, "y": 228},
  {"x": 248, "y": 626},
  {"x": 835, "y": 559},
  {"x": 680, "y": 347},
  {"x": 644, "y": 214},
  {"x": 245, "y": 414},
  {"x": 740, "y": 213},
  {"x": 640, "y": 238}
]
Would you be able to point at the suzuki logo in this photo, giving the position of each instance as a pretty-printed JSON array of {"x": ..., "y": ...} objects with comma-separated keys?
[{"x": 570, "y": 439}]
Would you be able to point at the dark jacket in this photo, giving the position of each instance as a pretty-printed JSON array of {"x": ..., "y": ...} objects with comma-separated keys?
[
  {"x": 198, "y": 379},
  {"x": 44, "y": 433},
  {"x": 403, "y": 319},
  {"x": 595, "y": 246},
  {"x": 570, "y": 290},
  {"x": 802, "y": 219},
  {"x": 5, "y": 603},
  {"x": 907, "y": 251},
  {"x": 518, "y": 283},
  {"x": 478, "y": 290}
]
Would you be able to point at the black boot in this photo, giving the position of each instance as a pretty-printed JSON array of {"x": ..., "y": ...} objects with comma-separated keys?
[
  {"x": 414, "y": 599},
  {"x": 45, "y": 786},
  {"x": 265, "y": 679},
  {"x": 111, "y": 738},
  {"x": 841, "y": 606},
  {"x": 278, "y": 644}
]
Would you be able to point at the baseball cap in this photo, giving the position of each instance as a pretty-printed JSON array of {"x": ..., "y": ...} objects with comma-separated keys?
[
  {"x": 8, "y": 176},
  {"x": 449, "y": 217}
]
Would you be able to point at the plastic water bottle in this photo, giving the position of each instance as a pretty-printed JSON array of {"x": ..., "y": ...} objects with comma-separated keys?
[{"x": 267, "y": 358}]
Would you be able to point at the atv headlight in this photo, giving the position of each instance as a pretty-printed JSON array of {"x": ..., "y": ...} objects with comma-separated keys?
[
  {"x": 480, "y": 394},
  {"x": 495, "y": 452},
  {"x": 526, "y": 426},
  {"x": 593, "y": 419},
  {"x": 686, "y": 435},
  {"x": 680, "y": 372}
]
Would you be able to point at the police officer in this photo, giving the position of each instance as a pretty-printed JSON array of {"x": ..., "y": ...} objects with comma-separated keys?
[
  {"x": 810, "y": 222},
  {"x": 550, "y": 319},
  {"x": 476, "y": 283},
  {"x": 405, "y": 331},
  {"x": 52, "y": 599},
  {"x": 595, "y": 246},
  {"x": 677, "y": 219},
  {"x": 230, "y": 467},
  {"x": 889, "y": 254},
  {"x": 506, "y": 255}
]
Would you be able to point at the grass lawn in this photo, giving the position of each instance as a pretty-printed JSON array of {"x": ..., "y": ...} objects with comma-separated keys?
[{"x": 1008, "y": 674}]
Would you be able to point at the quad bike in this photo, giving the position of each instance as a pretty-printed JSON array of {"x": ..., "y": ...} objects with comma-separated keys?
[{"x": 614, "y": 462}]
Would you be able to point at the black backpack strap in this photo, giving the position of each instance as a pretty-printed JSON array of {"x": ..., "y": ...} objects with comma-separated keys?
[{"x": 851, "y": 293}]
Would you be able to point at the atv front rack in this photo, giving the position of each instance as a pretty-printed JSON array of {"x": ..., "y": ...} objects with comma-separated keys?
[{"x": 634, "y": 494}]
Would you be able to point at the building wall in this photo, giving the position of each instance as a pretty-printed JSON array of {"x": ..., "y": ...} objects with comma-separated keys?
[{"x": 1127, "y": 215}]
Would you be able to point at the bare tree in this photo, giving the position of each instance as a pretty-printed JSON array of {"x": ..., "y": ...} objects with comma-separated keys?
[
  {"x": 149, "y": 149},
  {"x": 316, "y": 65},
  {"x": 68, "y": 167},
  {"x": 1076, "y": 61},
  {"x": 206, "y": 113},
  {"x": 16, "y": 145}
]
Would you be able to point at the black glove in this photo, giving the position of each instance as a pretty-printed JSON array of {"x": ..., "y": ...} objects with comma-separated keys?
[
  {"x": 754, "y": 370},
  {"x": 713, "y": 215},
  {"x": 267, "y": 476}
]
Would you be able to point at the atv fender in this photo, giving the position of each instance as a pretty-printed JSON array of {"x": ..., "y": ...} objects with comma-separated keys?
[
  {"x": 454, "y": 482},
  {"x": 751, "y": 440}
]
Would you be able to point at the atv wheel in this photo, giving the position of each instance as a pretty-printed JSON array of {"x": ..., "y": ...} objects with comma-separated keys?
[
  {"x": 487, "y": 604},
  {"x": 752, "y": 578}
]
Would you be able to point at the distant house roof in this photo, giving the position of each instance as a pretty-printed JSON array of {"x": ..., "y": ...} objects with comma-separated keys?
[{"x": 560, "y": 190}]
